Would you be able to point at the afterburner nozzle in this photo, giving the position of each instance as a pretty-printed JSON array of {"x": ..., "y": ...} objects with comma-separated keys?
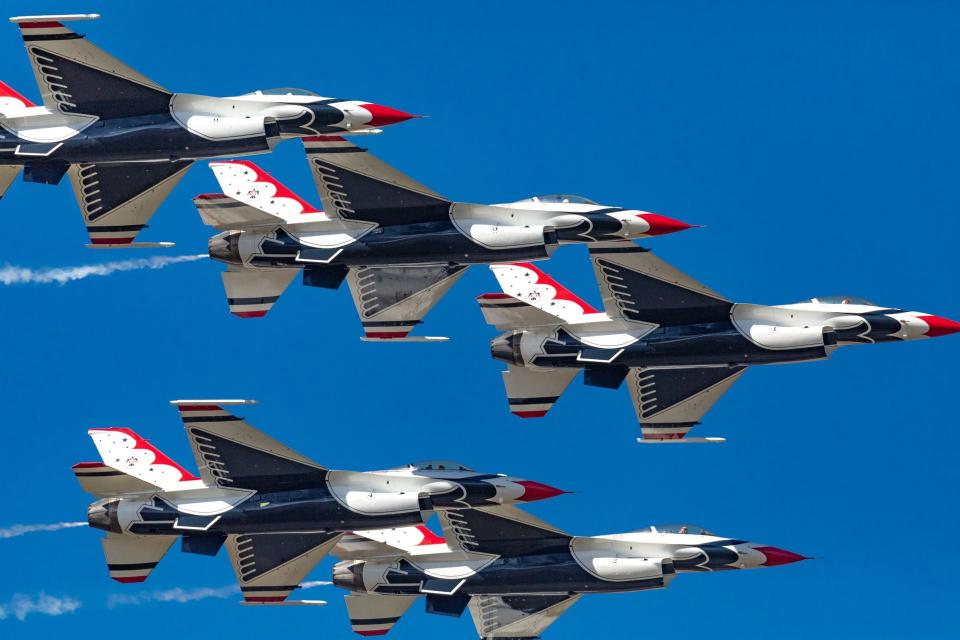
[
  {"x": 349, "y": 575},
  {"x": 103, "y": 515},
  {"x": 225, "y": 247}
]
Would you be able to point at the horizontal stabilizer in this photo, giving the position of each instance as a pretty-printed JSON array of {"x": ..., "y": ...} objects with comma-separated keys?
[
  {"x": 124, "y": 450},
  {"x": 270, "y": 566},
  {"x": 223, "y": 212},
  {"x": 355, "y": 185},
  {"x": 102, "y": 481},
  {"x": 248, "y": 184},
  {"x": 8, "y": 173},
  {"x": 527, "y": 283},
  {"x": 533, "y": 392},
  {"x": 506, "y": 312},
  {"x": 131, "y": 558},
  {"x": 375, "y": 615},
  {"x": 233, "y": 455},
  {"x": 251, "y": 293},
  {"x": 516, "y": 617}
]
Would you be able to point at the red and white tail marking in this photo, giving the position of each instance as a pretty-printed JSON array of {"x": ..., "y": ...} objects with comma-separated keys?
[
  {"x": 247, "y": 183},
  {"x": 12, "y": 102},
  {"x": 122, "y": 449},
  {"x": 527, "y": 283}
]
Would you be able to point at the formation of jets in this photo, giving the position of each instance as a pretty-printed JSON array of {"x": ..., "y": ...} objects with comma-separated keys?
[{"x": 125, "y": 142}]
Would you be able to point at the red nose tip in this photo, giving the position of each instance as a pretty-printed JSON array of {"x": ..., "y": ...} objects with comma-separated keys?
[
  {"x": 383, "y": 116},
  {"x": 537, "y": 491},
  {"x": 940, "y": 326},
  {"x": 777, "y": 556},
  {"x": 661, "y": 225}
]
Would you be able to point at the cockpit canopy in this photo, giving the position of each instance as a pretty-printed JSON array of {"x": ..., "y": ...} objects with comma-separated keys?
[
  {"x": 283, "y": 91},
  {"x": 439, "y": 465},
  {"x": 559, "y": 198},
  {"x": 841, "y": 300},
  {"x": 682, "y": 528}
]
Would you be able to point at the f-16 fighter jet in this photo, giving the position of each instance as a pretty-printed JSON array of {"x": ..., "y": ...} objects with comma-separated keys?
[
  {"x": 678, "y": 344},
  {"x": 277, "y": 511},
  {"x": 126, "y": 141},
  {"x": 399, "y": 245},
  {"x": 517, "y": 574}
]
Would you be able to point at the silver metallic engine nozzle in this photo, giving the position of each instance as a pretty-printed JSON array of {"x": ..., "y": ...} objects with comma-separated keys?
[
  {"x": 349, "y": 575},
  {"x": 506, "y": 347},
  {"x": 102, "y": 514},
  {"x": 225, "y": 247}
]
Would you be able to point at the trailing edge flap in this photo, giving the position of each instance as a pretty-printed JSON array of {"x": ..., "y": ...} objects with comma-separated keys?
[
  {"x": 251, "y": 293},
  {"x": 117, "y": 200},
  {"x": 533, "y": 392},
  {"x": 392, "y": 300},
  {"x": 131, "y": 558},
  {"x": 638, "y": 286},
  {"x": 669, "y": 402},
  {"x": 223, "y": 212},
  {"x": 8, "y": 173},
  {"x": 520, "y": 616},
  {"x": 375, "y": 615},
  {"x": 355, "y": 185},
  {"x": 102, "y": 481},
  {"x": 270, "y": 566},
  {"x": 76, "y": 77},
  {"x": 501, "y": 530},
  {"x": 233, "y": 455},
  {"x": 506, "y": 312}
]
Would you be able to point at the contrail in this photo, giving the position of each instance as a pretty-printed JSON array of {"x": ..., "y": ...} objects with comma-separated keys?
[
  {"x": 20, "y": 606},
  {"x": 187, "y": 595},
  {"x": 10, "y": 275},
  {"x": 18, "y": 530}
]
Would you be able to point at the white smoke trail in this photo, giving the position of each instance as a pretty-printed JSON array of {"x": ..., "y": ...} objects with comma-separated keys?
[
  {"x": 18, "y": 530},
  {"x": 183, "y": 596},
  {"x": 11, "y": 275},
  {"x": 20, "y": 606}
]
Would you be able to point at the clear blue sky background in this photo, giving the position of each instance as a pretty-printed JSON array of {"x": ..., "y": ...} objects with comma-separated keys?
[{"x": 818, "y": 145}]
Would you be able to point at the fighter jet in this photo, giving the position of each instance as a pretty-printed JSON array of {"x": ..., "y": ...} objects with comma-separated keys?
[
  {"x": 678, "y": 344},
  {"x": 518, "y": 574},
  {"x": 126, "y": 141},
  {"x": 399, "y": 245},
  {"x": 277, "y": 511}
]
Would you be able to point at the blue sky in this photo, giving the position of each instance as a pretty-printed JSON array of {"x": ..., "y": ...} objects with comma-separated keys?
[{"x": 817, "y": 143}]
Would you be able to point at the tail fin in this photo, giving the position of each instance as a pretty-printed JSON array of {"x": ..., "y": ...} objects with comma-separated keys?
[
  {"x": 417, "y": 540},
  {"x": 247, "y": 183},
  {"x": 131, "y": 558},
  {"x": 125, "y": 451},
  {"x": 75, "y": 77},
  {"x": 11, "y": 102},
  {"x": 529, "y": 284}
]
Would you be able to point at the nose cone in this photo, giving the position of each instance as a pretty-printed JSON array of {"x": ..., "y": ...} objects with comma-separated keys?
[
  {"x": 382, "y": 116},
  {"x": 537, "y": 491},
  {"x": 775, "y": 556},
  {"x": 662, "y": 225},
  {"x": 939, "y": 326}
]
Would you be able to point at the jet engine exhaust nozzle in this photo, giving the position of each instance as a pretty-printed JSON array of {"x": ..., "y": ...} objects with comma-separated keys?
[
  {"x": 507, "y": 348},
  {"x": 225, "y": 247},
  {"x": 349, "y": 575},
  {"x": 103, "y": 515}
]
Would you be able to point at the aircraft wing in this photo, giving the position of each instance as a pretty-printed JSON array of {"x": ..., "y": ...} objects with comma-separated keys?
[
  {"x": 117, "y": 200},
  {"x": 233, "y": 455},
  {"x": 355, "y": 185},
  {"x": 77, "y": 78},
  {"x": 638, "y": 286},
  {"x": 270, "y": 566},
  {"x": 669, "y": 402},
  {"x": 520, "y": 616},
  {"x": 499, "y": 530},
  {"x": 392, "y": 300}
]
